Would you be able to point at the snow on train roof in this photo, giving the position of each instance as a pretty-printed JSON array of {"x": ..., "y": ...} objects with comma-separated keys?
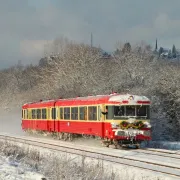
[
  {"x": 128, "y": 97},
  {"x": 112, "y": 98}
]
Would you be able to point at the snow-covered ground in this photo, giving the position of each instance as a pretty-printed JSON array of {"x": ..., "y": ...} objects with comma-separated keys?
[
  {"x": 13, "y": 170},
  {"x": 163, "y": 145}
]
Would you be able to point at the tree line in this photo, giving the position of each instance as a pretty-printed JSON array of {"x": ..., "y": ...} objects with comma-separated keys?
[{"x": 79, "y": 70}]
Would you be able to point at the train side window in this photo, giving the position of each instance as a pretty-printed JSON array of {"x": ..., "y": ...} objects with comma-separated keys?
[
  {"x": 26, "y": 114},
  {"x": 53, "y": 113},
  {"x": 44, "y": 114},
  {"x": 22, "y": 114},
  {"x": 61, "y": 113},
  {"x": 92, "y": 113},
  {"x": 83, "y": 113},
  {"x": 74, "y": 113},
  {"x": 67, "y": 113},
  {"x": 38, "y": 113},
  {"x": 33, "y": 114},
  {"x": 29, "y": 114}
]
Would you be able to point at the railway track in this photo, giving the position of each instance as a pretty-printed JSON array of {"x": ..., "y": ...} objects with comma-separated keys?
[
  {"x": 161, "y": 162},
  {"x": 170, "y": 154}
]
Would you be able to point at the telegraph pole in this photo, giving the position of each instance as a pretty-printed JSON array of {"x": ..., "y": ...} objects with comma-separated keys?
[{"x": 91, "y": 40}]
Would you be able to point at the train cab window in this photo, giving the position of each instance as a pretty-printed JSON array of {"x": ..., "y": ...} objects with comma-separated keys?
[
  {"x": 92, "y": 113},
  {"x": 61, "y": 113},
  {"x": 142, "y": 111},
  {"x": 119, "y": 110},
  {"x": 38, "y": 113},
  {"x": 83, "y": 113},
  {"x": 33, "y": 114},
  {"x": 44, "y": 114},
  {"x": 53, "y": 113},
  {"x": 130, "y": 110},
  {"x": 66, "y": 113},
  {"x": 74, "y": 113}
]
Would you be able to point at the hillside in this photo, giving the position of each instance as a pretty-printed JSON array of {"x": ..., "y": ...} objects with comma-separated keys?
[{"x": 78, "y": 70}]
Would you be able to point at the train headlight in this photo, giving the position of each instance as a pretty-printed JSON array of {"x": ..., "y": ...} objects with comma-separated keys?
[
  {"x": 120, "y": 133},
  {"x": 114, "y": 125},
  {"x": 147, "y": 133},
  {"x": 147, "y": 124}
]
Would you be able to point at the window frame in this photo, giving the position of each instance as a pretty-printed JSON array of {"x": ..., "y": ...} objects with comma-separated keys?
[
  {"x": 74, "y": 113},
  {"x": 93, "y": 115}
]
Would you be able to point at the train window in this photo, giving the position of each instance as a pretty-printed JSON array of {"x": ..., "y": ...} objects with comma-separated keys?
[
  {"x": 83, "y": 113},
  {"x": 38, "y": 113},
  {"x": 22, "y": 114},
  {"x": 33, "y": 114},
  {"x": 53, "y": 113},
  {"x": 61, "y": 113},
  {"x": 109, "y": 112},
  {"x": 130, "y": 110},
  {"x": 66, "y": 113},
  {"x": 141, "y": 110},
  {"x": 44, "y": 114},
  {"x": 26, "y": 114},
  {"x": 74, "y": 113},
  {"x": 119, "y": 111},
  {"x": 29, "y": 114},
  {"x": 92, "y": 113}
]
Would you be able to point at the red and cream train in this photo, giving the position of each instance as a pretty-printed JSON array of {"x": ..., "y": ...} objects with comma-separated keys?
[{"x": 118, "y": 119}]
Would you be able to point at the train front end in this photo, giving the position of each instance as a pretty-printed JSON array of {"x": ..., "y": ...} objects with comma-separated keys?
[{"x": 128, "y": 118}]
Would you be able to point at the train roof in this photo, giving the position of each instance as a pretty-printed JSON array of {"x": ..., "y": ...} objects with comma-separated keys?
[{"x": 120, "y": 99}]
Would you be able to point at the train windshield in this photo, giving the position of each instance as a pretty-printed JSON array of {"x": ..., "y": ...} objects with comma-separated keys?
[{"x": 131, "y": 111}]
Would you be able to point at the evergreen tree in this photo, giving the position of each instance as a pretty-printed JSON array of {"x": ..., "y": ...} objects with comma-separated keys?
[
  {"x": 126, "y": 48},
  {"x": 156, "y": 48},
  {"x": 160, "y": 50},
  {"x": 117, "y": 52},
  {"x": 174, "y": 51},
  {"x": 169, "y": 54}
]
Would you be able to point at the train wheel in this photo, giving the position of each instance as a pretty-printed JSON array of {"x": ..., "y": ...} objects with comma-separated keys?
[
  {"x": 70, "y": 137},
  {"x": 105, "y": 143},
  {"x": 65, "y": 137},
  {"x": 60, "y": 136},
  {"x": 137, "y": 146},
  {"x": 113, "y": 146}
]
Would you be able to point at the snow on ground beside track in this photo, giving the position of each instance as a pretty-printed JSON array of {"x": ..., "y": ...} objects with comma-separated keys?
[
  {"x": 124, "y": 171},
  {"x": 164, "y": 145},
  {"x": 11, "y": 170}
]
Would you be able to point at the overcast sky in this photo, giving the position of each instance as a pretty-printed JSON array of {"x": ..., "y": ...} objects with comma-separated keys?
[{"x": 26, "y": 25}]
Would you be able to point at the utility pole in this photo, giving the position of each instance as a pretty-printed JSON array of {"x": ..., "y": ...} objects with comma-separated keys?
[
  {"x": 156, "y": 47},
  {"x": 91, "y": 40}
]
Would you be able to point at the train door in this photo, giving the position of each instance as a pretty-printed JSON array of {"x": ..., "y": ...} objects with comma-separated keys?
[
  {"x": 33, "y": 121},
  {"x": 51, "y": 120},
  {"x": 101, "y": 119},
  {"x": 56, "y": 121}
]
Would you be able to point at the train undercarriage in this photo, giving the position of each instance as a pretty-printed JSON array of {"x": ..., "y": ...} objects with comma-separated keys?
[{"x": 106, "y": 142}]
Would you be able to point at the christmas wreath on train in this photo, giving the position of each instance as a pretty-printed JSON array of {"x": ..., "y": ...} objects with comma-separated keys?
[{"x": 135, "y": 125}]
